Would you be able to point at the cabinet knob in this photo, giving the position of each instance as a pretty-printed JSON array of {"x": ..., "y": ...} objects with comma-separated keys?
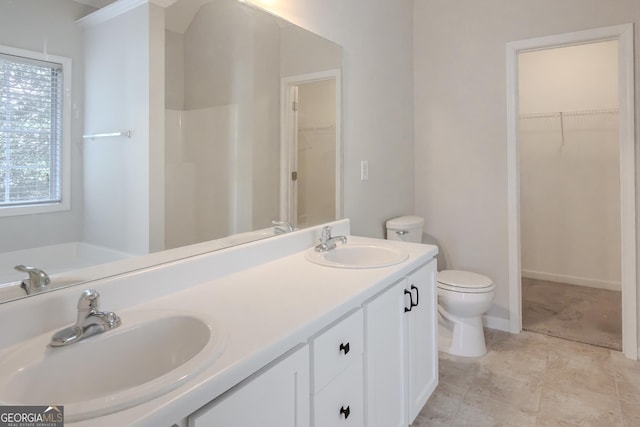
[
  {"x": 344, "y": 348},
  {"x": 345, "y": 411}
]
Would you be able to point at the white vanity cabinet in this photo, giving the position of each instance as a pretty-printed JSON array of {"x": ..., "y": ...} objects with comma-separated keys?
[
  {"x": 277, "y": 397},
  {"x": 375, "y": 366},
  {"x": 337, "y": 374},
  {"x": 401, "y": 349}
]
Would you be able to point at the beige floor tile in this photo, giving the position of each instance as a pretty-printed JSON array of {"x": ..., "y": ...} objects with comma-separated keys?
[
  {"x": 582, "y": 407},
  {"x": 457, "y": 371},
  {"x": 497, "y": 335},
  {"x": 442, "y": 406},
  {"x": 421, "y": 422},
  {"x": 509, "y": 358},
  {"x": 627, "y": 376},
  {"x": 529, "y": 379},
  {"x": 480, "y": 411},
  {"x": 581, "y": 354},
  {"x": 545, "y": 421},
  {"x": 521, "y": 393},
  {"x": 564, "y": 378},
  {"x": 582, "y": 369},
  {"x": 506, "y": 344},
  {"x": 630, "y": 413},
  {"x": 628, "y": 391}
]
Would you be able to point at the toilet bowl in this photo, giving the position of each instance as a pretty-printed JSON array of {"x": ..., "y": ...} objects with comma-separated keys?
[{"x": 463, "y": 297}]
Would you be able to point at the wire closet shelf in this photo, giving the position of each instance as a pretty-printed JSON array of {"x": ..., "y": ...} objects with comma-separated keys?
[{"x": 563, "y": 118}]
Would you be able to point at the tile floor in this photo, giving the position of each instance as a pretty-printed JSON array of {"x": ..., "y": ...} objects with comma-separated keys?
[
  {"x": 577, "y": 313},
  {"x": 529, "y": 379}
]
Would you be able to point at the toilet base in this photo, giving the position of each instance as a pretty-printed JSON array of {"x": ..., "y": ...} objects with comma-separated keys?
[{"x": 462, "y": 337}]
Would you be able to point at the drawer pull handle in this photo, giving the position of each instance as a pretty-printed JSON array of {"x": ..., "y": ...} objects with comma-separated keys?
[
  {"x": 413, "y": 287},
  {"x": 345, "y": 411},
  {"x": 411, "y": 305},
  {"x": 344, "y": 348}
]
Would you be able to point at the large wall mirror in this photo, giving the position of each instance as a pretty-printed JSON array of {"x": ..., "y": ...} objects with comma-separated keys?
[{"x": 187, "y": 126}]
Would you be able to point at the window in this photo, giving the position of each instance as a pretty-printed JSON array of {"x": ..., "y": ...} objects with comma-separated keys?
[{"x": 33, "y": 135}]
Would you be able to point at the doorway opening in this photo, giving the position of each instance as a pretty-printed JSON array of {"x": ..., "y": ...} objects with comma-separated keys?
[
  {"x": 571, "y": 163},
  {"x": 311, "y": 149}
]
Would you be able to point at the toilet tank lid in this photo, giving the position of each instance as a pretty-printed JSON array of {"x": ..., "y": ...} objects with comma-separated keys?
[
  {"x": 464, "y": 279},
  {"x": 405, "y": 222}
]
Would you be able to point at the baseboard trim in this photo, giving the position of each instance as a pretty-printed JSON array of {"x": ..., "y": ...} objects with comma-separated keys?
[
  {"x": 573, "y": 280},
  {"x": 496, "y": 323}
]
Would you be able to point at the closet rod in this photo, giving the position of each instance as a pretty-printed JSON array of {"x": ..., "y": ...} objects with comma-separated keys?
[
  {"x": 562, "y": 114},
  {"x": 569, "y": 113}
]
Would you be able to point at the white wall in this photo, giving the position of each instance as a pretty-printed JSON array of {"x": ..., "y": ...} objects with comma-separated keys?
[
  {"x": 569, "y": 165},
  {"x": 460, "y": 117},
  {"x": 571, "y": 78},
  {"x": 303, "y": 52},
  {"x": 377, "y": 101},
  {"x": 49, "y": 26},
  {"x": 117, "y": 97}
]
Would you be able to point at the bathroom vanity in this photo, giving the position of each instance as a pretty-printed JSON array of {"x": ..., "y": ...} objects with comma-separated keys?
[{"x": 285, "y": 341}]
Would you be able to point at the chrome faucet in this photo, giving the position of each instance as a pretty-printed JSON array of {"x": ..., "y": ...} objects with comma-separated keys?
[
  {"x": 37, "y": 282},
  {"x": 282, "y": 227},
  {"x": 90, "y": 321},
  {"x": 327, "y": 242}
]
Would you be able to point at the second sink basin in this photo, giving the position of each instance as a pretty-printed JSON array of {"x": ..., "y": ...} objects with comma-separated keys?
[
  {"x": 149, "y": 355},
  {"x": 357, "y": 255}
]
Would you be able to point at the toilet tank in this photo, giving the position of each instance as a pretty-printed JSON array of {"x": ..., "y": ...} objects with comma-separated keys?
[{"x": 405, "y": 228}]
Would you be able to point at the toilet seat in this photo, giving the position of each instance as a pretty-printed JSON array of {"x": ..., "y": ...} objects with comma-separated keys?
[{"x": 464, "y": 281}]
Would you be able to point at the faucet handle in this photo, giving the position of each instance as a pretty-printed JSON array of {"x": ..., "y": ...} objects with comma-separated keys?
[
  {"x": 88, "y": 300},
  {"x": 286, "y": 226},
  {"x": 326, "y": 234},
  {"x": 38, "y": 279}
]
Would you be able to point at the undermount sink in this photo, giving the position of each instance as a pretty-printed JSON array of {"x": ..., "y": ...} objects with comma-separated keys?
[
  {"x": 357, "y": 255},
  {"x": 150, "y": 354}
]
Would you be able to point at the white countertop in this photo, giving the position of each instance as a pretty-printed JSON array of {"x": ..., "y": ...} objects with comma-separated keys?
[{"x": 266, "y": 310}]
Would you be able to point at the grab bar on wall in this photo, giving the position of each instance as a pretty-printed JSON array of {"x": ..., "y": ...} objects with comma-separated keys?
[{"x": 126, "y": 133}]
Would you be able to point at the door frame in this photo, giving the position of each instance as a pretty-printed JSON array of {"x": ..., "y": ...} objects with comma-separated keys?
[
  {"x": 624, "y": 35},
  {"x": 288, "y": 142}
]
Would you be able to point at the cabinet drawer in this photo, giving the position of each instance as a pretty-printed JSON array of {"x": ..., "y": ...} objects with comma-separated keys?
[
  {"x": 341, "y": 403},
  {"x": 337, "y": 348}
]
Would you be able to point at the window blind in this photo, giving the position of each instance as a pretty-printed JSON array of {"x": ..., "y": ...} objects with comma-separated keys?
[{"x": 31, "y": 105}]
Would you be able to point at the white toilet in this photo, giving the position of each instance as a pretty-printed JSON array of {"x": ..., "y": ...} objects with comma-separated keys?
[
  {"x": 463, "y": 297},
  {"x": 405, "y": 228}
]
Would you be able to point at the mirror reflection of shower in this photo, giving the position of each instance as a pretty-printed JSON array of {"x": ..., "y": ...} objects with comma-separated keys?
[
  {"x": 570, "y": 192},
  {"x": 224, "y": 66}
]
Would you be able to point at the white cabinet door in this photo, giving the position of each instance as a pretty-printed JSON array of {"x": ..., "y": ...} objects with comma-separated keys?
[
  {"x": 422, "y": 338},
  {"x": 278, "y": 397},
  {"x": 385, "y": 358}
]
